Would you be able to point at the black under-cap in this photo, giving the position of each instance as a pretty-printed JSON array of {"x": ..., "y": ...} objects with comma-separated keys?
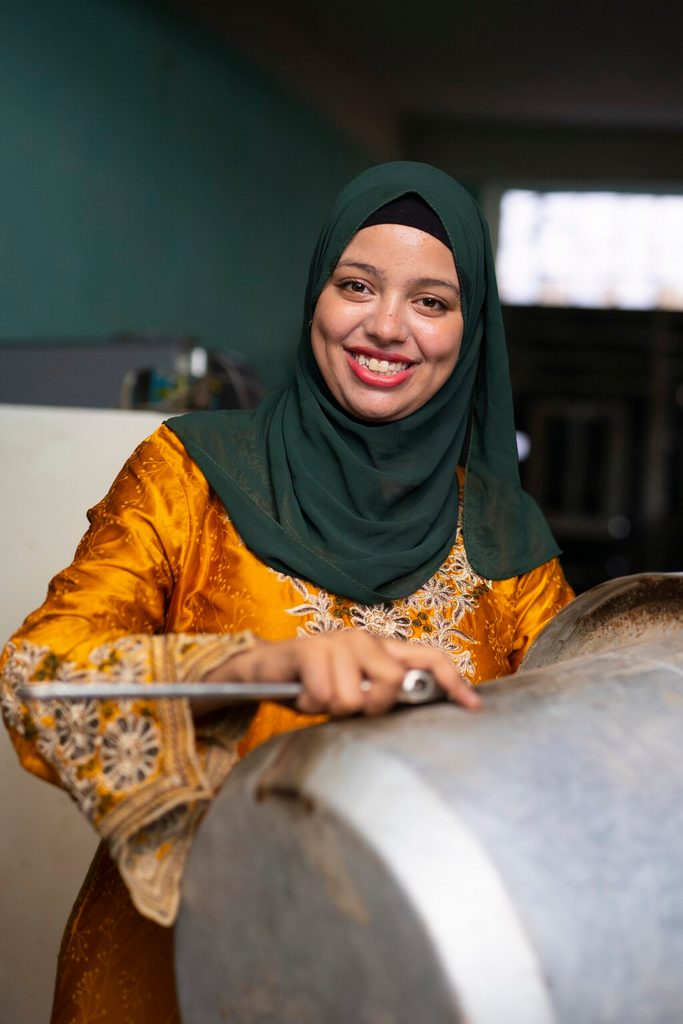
[{"x": 411, "y": 210}]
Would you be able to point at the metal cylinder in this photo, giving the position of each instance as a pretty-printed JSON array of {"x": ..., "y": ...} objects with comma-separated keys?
[
  {"x": 645, "y": 608},
  {"x": 519, "y": 865}
]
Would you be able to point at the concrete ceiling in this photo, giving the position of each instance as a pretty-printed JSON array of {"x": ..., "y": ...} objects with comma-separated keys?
[
  {"x": 587, "y": 62},
  {"x": 383, "y": 70}
]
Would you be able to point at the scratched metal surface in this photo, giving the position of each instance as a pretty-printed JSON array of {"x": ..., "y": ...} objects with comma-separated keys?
[
  {"x": 644, "y": 608},
  {"x": 521, "y": 865}
]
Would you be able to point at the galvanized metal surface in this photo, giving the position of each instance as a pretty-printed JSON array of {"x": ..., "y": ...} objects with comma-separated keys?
[
  {"x": 645, "y": 608},
  {"x": 515, "y": 866}
]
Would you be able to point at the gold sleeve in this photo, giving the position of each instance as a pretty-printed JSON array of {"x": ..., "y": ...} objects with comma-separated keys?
[
  {"x": 139, "y": 770},
  {"x": 539, "y": 595}
]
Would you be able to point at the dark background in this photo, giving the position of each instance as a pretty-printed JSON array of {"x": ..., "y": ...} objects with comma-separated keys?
[{"x": 165, "y": 166}]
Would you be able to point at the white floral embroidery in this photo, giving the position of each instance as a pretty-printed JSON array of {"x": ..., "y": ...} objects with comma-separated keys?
[
  {"x": 431, "y": 615},
  {"x": 20, "y": 667},
  {"x": 82, "y": 789},
  {"x": 438, "y": 592},
  {"x": 465, "y": 665},
  {"x": 68, "y": 672},
  {"x": 449, "y": 639},
  {"x": 47, "y": 744},
  {"x": 444, "y": 633},
  {"x": 22, "y": 661},
  {"x": 382, "y": 619},
  {"x": 130, "y": 750},
  {"x": 458, "y": 578},
  {"x": 284, "y": 578},
  {"x": 458, "y": 567},
  {"x": 12, "y": 709},
  {"x": 320, "y": 609},
  {"x": 76, "y": 729},
  {"x": 123, "y": 660}
]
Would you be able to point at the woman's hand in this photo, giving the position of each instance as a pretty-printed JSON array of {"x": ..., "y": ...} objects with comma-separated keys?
[{"x": 332, "y": 666}]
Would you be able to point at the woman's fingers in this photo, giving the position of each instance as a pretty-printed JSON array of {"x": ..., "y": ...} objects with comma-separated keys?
[
  {"x": 344, "y": 663},
  {"x": 372, "y": 685},
  {"x": 334, "y": 667},
  {"x": 346, "y": 681},
  {"x": 351, "y": 657},
  {"x": 314, "y": 671},
  {"x": 431, "y": 659}
]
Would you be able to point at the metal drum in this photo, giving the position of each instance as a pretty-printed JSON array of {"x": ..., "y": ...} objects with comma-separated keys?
[
  {"x": 522, "y": 865},
  {"x": 645, "y": 608}
]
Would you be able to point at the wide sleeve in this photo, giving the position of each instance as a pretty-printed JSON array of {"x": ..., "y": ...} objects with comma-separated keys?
[
  {"x": 141, "y": 771},
  {"x": 538, "y": 596}
]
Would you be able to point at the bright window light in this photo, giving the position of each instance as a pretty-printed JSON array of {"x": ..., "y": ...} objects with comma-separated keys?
[{"x": 596, "y": 249}]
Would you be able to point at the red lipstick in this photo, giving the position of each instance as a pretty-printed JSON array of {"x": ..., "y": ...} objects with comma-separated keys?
[{"x": 372, "y": 377}]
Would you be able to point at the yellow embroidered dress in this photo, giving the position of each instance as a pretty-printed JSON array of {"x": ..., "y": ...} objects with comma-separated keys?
[{"x": 162, "y": 587}]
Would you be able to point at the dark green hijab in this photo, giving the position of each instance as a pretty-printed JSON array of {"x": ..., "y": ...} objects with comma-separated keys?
[{"x": 365, "y": 510}]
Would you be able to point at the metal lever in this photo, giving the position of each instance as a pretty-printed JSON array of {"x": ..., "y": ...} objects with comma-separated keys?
[{"x": 418, "y": 687}]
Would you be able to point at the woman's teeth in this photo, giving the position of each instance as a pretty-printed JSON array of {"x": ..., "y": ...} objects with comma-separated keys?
[{"x": 380, "y": 365}]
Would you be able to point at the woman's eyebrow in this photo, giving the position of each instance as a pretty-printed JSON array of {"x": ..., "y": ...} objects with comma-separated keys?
[
  {"x": 435, "y": 282},
  {"x": 367, "y": 267},
  {"x": 423, "y": 282}
]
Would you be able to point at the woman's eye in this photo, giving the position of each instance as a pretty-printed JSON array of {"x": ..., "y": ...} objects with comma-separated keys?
[
  {"x": 352, "y": 285},
  {"x": 430, "y": 302}
]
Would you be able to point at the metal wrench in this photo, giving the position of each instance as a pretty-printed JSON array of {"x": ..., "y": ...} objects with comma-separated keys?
[{"x": 418, "y": 687}]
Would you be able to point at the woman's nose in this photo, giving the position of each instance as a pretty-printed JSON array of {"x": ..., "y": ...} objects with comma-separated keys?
[{"x": 386, "y": 322}]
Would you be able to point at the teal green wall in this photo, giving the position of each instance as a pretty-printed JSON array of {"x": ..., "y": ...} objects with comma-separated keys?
[{"x": 150, "y": 179}]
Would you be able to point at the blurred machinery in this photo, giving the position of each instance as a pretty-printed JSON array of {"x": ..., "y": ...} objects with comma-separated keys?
[
  {"x": 196, "y": 378},
  {"x": 165, "y": 373}
]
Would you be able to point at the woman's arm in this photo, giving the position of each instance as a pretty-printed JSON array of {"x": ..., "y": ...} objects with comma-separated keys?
[
  {"x": 138, "y": 770},
  {"x": 101, "y": 612}
]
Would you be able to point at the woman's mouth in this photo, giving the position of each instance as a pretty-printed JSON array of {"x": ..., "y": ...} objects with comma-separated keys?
[
  {"x": 379, "y": 372},
  {"x": 380, "y": 365}
]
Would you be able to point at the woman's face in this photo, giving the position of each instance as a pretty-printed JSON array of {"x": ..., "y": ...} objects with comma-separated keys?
[{"x": 387, "y": 327}]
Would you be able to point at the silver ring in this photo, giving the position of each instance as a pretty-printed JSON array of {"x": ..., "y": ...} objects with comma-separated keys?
[{"x": 365, "y": 685}]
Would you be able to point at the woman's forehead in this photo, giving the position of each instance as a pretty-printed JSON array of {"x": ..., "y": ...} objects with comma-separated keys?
[{"x": 387, "y": 246}]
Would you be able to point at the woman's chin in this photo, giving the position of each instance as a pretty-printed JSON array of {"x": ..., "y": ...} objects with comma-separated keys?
[
  {"x": 376, "y": 407},
  {"x": 380, "y": 402}
]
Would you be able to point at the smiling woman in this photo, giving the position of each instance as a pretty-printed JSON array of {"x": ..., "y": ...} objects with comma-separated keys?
[
  {"x": 388, "y": 325},
  {"x": 364, "y": 521}
]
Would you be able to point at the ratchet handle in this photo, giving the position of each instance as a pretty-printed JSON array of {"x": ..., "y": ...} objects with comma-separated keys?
[{"x": 418, "y": 687}]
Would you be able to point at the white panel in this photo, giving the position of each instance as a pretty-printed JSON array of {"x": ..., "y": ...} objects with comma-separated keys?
[{"x": 54, "y": 463}]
